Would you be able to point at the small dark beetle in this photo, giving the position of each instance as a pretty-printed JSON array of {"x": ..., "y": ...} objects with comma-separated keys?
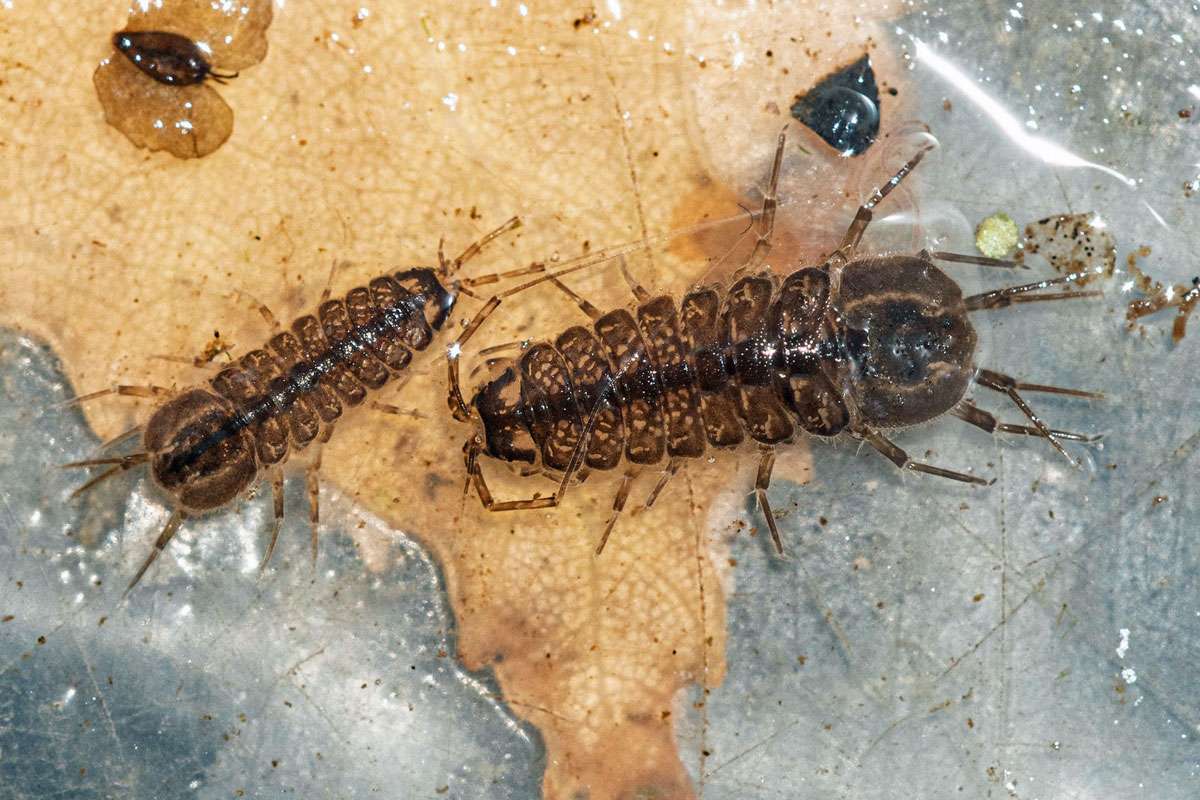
[{"x": 167, "y": 57}]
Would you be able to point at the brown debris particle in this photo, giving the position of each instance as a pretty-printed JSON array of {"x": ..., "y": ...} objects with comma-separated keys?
[
  {"x": 1072, "y": 243},
  {"x": 1181, "y": 297}
]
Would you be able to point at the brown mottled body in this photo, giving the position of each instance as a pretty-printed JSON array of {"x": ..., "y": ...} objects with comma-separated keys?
[
  {"x": 763, "y": 361},
  {"x": 857, "y": 344},
  {"x": 208, "y": 445}
]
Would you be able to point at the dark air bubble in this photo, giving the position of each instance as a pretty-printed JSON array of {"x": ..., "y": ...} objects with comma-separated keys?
[{"x": 843, "y": 108}]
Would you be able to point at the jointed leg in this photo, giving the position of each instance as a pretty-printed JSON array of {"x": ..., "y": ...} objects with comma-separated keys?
[
  {"x": 639, "y": 292},
  {"x": 473, "y": 249},
  {"x": 618, "y": 505},
  {"x": 969, "y": 412},
  {"x": 1001, "y": 298},
  {"x": 761, "y": 484},
  {"x": 160, "y": 544},
  {"x": 327, "y": 292},
  {"x": 388, "y": 408},
  {"x": 1005, "y": 384},
  {"x": 313, "y": 485},
  {"x": 277, "y": 522},
  {"x": 863, "y": 218},
  {"x": 262, "y": 309},
  {"x": 767, "y": 217},
  {"x": 144, "y": 392},
  {"x": 587, "y": 308},
  {"x": 893, "y": 453},
  {"x": 967, "y": 258},
  {"x": 672, "y": 467},
  {"x": 136, "y": 430},
  {"x": 116, "y": 464},
  {"x": 458, "y": 406},
  {"x": 475, "y": 478}
]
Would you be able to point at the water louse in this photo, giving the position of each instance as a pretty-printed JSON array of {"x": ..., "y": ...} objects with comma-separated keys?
[
  {"x": 856, "y": 345},
  {"x": 209, "y": 444}
]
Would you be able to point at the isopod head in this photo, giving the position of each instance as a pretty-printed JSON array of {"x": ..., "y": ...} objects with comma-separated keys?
[
  {"x": 499, "y": 404},
  {"x": 909, "y": 343},
  {"x": 198, "y": 453},
  {"x": 438, "y": 301}
]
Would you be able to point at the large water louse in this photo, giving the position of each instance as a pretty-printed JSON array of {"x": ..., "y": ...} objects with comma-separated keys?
[{"x": 856, "y": 345}]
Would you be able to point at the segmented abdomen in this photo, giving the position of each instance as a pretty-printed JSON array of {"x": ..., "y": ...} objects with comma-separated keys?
[
  {"x": 752, "y": 362},
  {"x": 291, "y": 391}
]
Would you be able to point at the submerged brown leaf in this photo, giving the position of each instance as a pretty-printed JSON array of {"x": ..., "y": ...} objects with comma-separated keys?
[
  {"x": 364, "y": 143},
  {"x": 186, "y": 121}
]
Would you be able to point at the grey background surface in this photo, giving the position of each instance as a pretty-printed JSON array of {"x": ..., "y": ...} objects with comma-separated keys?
[{"x": 1036, "y": 640}]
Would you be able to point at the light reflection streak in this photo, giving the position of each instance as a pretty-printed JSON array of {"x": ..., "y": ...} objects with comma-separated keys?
[
  {"x": 1157, "y": 217},
  {"x": 1046, "y": 151}
]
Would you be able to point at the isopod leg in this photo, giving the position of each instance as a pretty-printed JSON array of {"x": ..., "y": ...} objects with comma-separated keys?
[
  {"x": 145, "y": 392},
  {"x": 893, "y": 453},
  {"x": 206, "y": 362},
  {"x": 862, "y": 218},
  {"x": 618, "y": 506},
  {"x": 762, "y": 247},
  {"x": 475, "y": 476},
  {"x": 668, "y": 473},
  {"x": 476, "y": 247},
  {"x": 458, "y": 406},
  {"x": 277, "y": 522},
  {"x": 1005, "y": 384},
  {"x": 763, "y": 482},
  {"x": 1001, "y": 298},
  {"x": 388, "y": 408},
  {"x": 263, "y": 310},
  {"x": 136, "y": 430},
  {"x": 982, "y": 261},
  {"x": 160, "y": 544},
  {"x": 327, "y": 292},
  {"x": 969, "y": 412},
  {"x": 587, "y": 308},
  {"x": 313, "y": 484},
  {"x": 639, "y": 291},
  {"x": 116, "y": 465}
]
